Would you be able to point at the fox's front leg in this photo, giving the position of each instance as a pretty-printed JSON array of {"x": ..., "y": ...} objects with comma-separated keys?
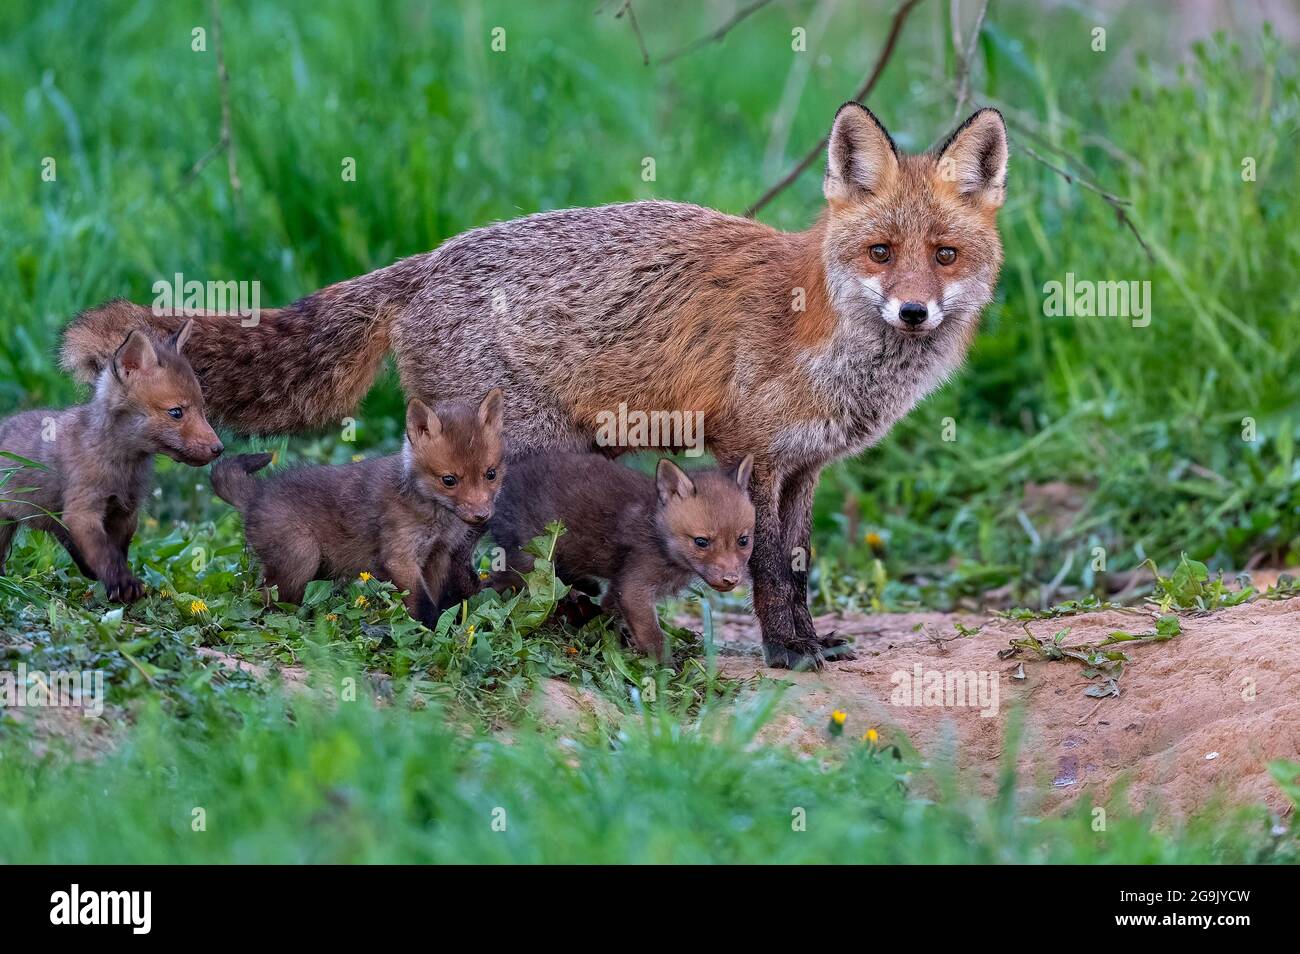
[
  {"x": 459, "y": 580},
  {"x": 774, "y": 591},
  {"x": 797, "y": 495},
  {"x": 632, "y": 596},
  {"x": 407, "y": 574},
  {"x": 103, "y": 556}
]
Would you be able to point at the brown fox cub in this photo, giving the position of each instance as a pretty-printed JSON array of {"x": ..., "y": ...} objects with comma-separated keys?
[
  {"x": 98, "y": 457},
  {"x": 802, "y": 348},
  {"x": 647, "y": 537},
  {"x": 412, "y": 518}
]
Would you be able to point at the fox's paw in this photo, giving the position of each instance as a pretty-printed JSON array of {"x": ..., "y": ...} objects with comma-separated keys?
[
  {"x": 125, "y": 589},
  {"x": 798, "y": 654},
  {"x": 836, "y": 648}
]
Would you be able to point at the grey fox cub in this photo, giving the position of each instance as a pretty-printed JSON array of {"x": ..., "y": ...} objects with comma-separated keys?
[
  {"x": 647, "y": 537},
  {"x": 98, "y": 457},
  {"x": 412, "y": 518}
]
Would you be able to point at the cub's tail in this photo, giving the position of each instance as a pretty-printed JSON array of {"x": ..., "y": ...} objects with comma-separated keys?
[
  {"x": 233, "y": 480},
  {"x": 269, "y": 371}
]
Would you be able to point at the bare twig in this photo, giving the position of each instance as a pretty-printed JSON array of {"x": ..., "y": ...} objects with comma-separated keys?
[
  {"x": 1115, "y": 202},
  {"x": 891, "y": 41},
  {"x": 796, "y": 79},
  {"x": 226, "y": 143},
  {"x": 717, "y": 34},
  {"x": 964, "y": 55},
  {"x": 631, "y": 18}
]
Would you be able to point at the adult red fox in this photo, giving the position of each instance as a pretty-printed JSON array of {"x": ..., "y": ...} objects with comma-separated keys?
[{"x": 801, "y": 348}]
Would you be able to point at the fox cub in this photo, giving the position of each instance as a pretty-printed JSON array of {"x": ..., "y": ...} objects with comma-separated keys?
[
  {"x": 412, "y": 518},
  {"x": 647, "y": 537},
  {"x": 97, "y": 458}
]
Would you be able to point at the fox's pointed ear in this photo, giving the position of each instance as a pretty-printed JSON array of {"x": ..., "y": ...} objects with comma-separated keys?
[
  {"x": 743, "y": 472},
  {"x": 177, "y": 341},
  {"x": 490, "y": 410},
  {"x": 975, "y": 158},
  {"x": 135, "y": 355},
  {"x": 421, "y": 422},
  {"x": 671, "y": 481},
  {"x": 860, "y": 156}
]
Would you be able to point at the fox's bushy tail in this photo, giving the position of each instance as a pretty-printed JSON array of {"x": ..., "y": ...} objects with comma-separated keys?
[
  {"x": 278, "y": 371},
  {"x": 233, "y": 480}
]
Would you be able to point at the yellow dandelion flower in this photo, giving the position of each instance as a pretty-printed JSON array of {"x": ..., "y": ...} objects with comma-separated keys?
[
  {"x": 365, "y": 577},
  {"x": 871, "y": 736},
  {"x": 362, "y": 601},
  {"x": 198, "y": 607},
  {"x": 838, "y": 717},
  {"x": 332, "y": 617},
  {"x": 874, "y": 540}
]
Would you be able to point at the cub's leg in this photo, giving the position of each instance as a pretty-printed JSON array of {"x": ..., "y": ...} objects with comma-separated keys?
[
  {"x": 632, "y": 595},
  {"x": 290, "y": 564}
]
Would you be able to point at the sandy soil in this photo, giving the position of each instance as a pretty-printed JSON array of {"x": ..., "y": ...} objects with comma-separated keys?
[{"x": 1197, "y": 716}]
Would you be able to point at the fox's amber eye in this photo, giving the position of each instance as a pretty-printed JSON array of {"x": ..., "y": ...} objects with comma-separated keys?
[
  {"x": 176, "y": 413},
  {"x": 945, "y": 255},
  {"x": 744, "y": 540},
  {"x": 879, "y": 254},
  {"x": 491, "y": 474},
  {"x": 448, "y": 480},
  {"x": 702, "y": 542}
]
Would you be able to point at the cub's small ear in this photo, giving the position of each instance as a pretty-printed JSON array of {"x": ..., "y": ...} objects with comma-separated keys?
[
  {"x": 491, "y": 408},
  {"x": 136, "y": 354},
  {"x": 182, "y": 335},
  {"x": 975, "y": 158},
  {"x": 672, "y": 481},
  {"x": 860, "y": 157},
  {"x": 421, "y": 422},
  {"x": 743, "y": 472}
]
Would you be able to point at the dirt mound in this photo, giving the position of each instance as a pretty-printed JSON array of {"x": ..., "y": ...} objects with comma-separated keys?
[{"x": 1197, "y": 716}]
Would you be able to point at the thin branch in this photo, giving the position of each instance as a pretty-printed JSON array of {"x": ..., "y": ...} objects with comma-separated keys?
[
  {"x": 717, "y": 34},
  {"x": 223, "y": 81},
  {"x": 966, "y": 55},
  {"x": 631, "y": 18},
  {"x": 891, "y": 41},
  {"x": 1115, "y": 202},
  {"x": 226, "y": 142}
]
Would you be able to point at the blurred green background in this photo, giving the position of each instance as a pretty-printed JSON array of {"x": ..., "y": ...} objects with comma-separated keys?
[{"x": 1072, "y": 434}]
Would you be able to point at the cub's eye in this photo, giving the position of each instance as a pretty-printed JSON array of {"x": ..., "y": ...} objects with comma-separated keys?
[
  {"x": 879, "y": 254},
  {"x": 448, "y": 480},
  {"x": 744, "y": 540},
  {"x": 945, "y": 255},
  {"x": 702, "y": 542},
  {"x": 176, "y": 413},
  {"x": 491, "y": 474}
]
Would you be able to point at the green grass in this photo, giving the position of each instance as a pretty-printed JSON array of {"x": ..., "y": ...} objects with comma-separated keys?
[
  {"x": 1141, "y": 428},
  {"x": 290, "y": 781}
]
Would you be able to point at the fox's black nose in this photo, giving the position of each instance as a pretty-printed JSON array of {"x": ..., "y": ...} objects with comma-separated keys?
[
  {"x": 479, "y": 517},
  {"x": 912, "y": 312},
  {"x": 217, "y": 448}
]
